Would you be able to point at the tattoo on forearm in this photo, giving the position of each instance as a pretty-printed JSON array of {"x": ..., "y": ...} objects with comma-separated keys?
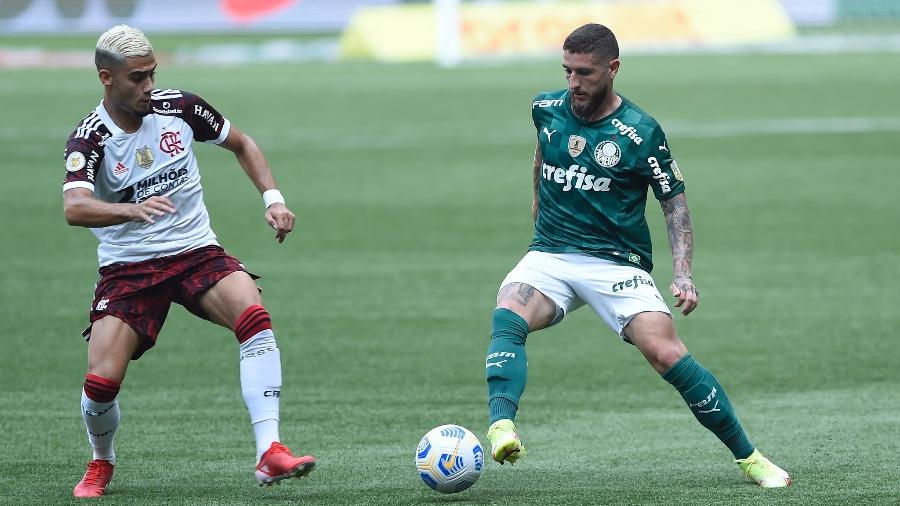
[{"x": 681, "y": 233}]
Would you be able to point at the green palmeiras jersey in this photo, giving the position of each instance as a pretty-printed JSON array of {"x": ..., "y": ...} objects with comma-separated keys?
[{"x": 592, "y": 186}]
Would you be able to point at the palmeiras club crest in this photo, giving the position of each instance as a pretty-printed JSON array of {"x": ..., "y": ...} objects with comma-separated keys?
[
  {"x": 607, "y": 154},
  {"x": 170, "y": 143},
  {"x": 144, "y": 157},
  {"x": 576, "y": 145}
]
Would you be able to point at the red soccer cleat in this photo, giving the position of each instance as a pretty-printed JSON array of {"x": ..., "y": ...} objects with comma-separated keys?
[
  {"x": 278, "y": 463},
  {"x": 99, "y": 473}
]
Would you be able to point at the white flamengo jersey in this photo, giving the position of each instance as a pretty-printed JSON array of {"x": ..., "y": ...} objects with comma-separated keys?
[{"x": 157, "y": 159}]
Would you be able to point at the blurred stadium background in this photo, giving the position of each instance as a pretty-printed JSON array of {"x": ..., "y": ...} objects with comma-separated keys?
[
  {"x": 260, "y": 31},
  {"x": 403, "y": 141}
]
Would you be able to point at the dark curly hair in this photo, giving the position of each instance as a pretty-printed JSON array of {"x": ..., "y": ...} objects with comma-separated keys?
[{"x": 595, "y": 39}]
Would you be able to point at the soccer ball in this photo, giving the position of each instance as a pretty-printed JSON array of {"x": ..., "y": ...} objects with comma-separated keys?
[{"x": 449, "y": 459}]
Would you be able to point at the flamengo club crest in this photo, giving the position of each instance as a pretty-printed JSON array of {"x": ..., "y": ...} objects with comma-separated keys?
[
  {"x": 144, "y": 157},
  {"x": 576, "y": 145},
  {"x": 170, "y": 143},
  {"x": 607, "y": 153}
]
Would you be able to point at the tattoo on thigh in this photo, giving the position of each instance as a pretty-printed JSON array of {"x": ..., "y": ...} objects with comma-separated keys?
[{"x": 525, "y": 293}]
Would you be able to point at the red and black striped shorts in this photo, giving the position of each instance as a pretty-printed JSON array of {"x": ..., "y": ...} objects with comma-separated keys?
[{"x": 140, "y": 293}]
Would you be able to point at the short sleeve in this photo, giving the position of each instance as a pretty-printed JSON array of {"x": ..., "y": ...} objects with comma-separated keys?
[
  {"x": 207, "y": 123},
  {"x": 658, "y": 165},
  {"x": 83, "y": 155}
]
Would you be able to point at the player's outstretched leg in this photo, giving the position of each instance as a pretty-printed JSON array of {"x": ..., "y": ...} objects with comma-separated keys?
[
  {"x": 260, "y": 367},
  {"x": 707, "y": 400},
  {"x": 506, "y": 367},
  {"x": 100, "y": 411}
]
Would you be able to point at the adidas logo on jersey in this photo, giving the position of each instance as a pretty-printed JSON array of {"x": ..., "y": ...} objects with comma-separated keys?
[{"x": 575, "y": 176}]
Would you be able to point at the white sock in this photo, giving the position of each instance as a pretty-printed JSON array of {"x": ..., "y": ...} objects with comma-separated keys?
[
  {"x": 261, "y": 386},
  {"x": 101, "y": 420},
  {"x": 266, "y": 432}
]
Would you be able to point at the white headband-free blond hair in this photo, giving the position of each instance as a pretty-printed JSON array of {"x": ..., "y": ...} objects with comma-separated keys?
[{"x": 120, "y": 42}]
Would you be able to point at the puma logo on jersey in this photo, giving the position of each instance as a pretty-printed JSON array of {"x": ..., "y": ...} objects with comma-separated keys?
[{"x": 548, "y": 133}]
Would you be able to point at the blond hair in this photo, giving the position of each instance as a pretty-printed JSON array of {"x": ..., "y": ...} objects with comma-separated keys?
[{"x": 118, "y": 43}]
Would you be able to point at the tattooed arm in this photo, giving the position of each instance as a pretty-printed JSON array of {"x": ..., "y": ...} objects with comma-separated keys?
[
  {"x": 681, "y": 240},
  {"x": 538, "y": 163}
]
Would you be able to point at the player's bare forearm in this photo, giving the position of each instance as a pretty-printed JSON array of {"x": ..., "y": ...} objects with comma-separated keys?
[
  {"x": 538, "y": 163},
  {"x": 251, "y": 159},
  {"x": 681, "y": 233},
  {"x": 681, "y": 241},
  {"x": 83, "y": 210},
  {"x": 248, "y": 154}
]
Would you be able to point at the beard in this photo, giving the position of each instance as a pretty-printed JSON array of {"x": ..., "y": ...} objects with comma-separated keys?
[{"x": 586, "y": 110}]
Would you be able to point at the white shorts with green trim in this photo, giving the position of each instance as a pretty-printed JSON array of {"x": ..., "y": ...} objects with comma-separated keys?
[{"x": 615, "y": 292}]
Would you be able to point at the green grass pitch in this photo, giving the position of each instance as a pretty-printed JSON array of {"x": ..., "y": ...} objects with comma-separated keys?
[{"x": 412, "y": 190}]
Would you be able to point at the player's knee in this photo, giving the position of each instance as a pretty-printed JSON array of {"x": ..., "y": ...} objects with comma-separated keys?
[
  {"x": 667, "y": 356},
  {"x": 663, "y": 353},
  {"x": 101, "y": 389},
  {"x": 529, "y": 303},
  {"x": 511, "y": 305},
  {"x": 506, "y": 296},
  {"x": 252, "y": 322}
]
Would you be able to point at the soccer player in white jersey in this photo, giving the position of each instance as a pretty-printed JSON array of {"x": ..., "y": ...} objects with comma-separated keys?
[{"x": 132, "y": 178}]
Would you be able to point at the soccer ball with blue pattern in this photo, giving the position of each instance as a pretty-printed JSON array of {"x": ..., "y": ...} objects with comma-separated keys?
[{"x": 449, "y": 458}]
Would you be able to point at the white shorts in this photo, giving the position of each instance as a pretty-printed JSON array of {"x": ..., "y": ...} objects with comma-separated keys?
[{"x": 615, "y": 292}]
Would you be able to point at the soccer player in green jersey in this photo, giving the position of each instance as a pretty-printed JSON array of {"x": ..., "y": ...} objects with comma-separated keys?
[{"x": 596, "y": 155}]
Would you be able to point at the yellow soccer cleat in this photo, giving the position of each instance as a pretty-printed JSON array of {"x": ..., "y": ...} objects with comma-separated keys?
[
  {"x": 505, "y": 443},
  {"x": 762, "y": 471}
]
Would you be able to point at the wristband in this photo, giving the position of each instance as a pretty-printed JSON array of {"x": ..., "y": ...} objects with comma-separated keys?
[{"x": 272, "y": 196}]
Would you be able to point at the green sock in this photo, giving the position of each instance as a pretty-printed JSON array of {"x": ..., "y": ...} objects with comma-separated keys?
[
  {"x": 506, "y": 365},
  {"x": 707, "y": 400}
]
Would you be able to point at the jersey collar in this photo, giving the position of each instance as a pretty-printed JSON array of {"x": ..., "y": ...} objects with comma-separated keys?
[{"x": 111, "y": 125}]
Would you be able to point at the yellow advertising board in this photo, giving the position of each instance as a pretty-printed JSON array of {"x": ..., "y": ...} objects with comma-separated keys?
[{"x": 407, "y": 32}]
